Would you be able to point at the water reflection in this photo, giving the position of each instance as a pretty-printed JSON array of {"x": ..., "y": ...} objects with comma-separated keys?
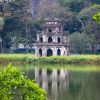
[
  {"x": 63, "y": 84},
  {"x": 52, "y": 80},
  {"x": 79, "y": 83}
]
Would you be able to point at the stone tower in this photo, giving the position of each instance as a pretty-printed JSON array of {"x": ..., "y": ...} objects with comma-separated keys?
[{"x": 52, "y": 41}]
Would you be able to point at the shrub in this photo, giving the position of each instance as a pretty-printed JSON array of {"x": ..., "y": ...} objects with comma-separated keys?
[{"x": 14, "y": 84}]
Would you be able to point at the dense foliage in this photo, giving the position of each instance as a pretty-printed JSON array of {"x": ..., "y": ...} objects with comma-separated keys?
[
  {"x": 17, "y": 26},
  {"x": 79, "y": 43},
  {"x": 13, "y": 84},
  {"x": 96, "y": 17}
]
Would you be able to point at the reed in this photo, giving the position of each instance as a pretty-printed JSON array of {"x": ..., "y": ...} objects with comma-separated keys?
[{"x": 29, "y": 58}]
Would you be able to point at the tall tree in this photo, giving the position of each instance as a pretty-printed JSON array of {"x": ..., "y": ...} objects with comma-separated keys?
[
  {"x": 79, "y": 43},
  {"x": 90, "y": 27},
  {"x": 17, "y": 26}
]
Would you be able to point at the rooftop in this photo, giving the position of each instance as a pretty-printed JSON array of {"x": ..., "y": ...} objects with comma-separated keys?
[{"x": 52, "y": 19}]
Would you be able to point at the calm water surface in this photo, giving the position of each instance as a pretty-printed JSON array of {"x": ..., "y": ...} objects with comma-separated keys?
[{"x": 65, "y": 82}]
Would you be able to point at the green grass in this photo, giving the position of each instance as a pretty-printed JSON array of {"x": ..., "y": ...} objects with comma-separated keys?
[
  {"x": 29, "y": 58},
  {"x": 14, "y": 58}
]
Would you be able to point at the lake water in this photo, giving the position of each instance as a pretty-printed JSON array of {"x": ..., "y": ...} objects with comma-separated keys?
[{"x": 66, "y": 82}]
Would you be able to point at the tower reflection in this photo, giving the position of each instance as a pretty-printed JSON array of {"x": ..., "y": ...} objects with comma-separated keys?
[{"x": 53, "y": 81}]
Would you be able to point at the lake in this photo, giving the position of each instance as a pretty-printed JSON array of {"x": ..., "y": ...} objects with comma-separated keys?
[{"x": 66, "y": 82}]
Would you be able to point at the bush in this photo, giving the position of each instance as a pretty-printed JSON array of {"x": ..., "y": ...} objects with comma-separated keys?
[{"x": 14, "y": 84}]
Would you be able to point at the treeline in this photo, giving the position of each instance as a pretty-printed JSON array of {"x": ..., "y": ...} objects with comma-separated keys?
[
  {"x": 15, "y": 24},
  {"x": 77, "y": 18}
]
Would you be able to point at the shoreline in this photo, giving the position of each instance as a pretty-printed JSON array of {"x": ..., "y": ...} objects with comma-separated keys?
[{"x": 29, "y": 59}]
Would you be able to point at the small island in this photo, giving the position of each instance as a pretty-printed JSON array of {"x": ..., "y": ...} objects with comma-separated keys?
[{"x": 49, "y": 49}]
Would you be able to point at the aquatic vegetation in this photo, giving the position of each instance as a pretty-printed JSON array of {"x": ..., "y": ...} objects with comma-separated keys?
[{"x": 29, "y": 58}]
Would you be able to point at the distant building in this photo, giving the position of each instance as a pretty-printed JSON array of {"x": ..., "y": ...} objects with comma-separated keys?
[{"x": 52, "y": 41}]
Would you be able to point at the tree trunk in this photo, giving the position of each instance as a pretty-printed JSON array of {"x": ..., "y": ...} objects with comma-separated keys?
[{"x": 94, "y": 48}]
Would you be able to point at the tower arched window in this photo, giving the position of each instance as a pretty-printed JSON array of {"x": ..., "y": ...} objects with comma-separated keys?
[
  {"x": 49, "y": 30},
  {"x": 41, "y": 39},
  {"x": 58, "y": 40},
  {"x": 40, "y": 52},
  {"x": 49, "y": 52},
  {"x": 58, "y": 52},
  {"x": 50, "y": 40}
]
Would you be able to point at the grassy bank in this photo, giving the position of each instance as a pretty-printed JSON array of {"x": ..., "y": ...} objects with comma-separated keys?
[
  {"x": 29, "y": 58},
  {"x": 15, "y": 58}
]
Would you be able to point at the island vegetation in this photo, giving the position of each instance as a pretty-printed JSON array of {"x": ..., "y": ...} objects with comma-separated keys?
[
  {"x": 31, "y": 59},
  {"x": 79, "y": 17}
]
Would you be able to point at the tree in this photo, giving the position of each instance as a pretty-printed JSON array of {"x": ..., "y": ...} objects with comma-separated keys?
[
  {"x": 75, "y": 5},
  {"x": 13, "y": 83},
  {"x": 72, "y": 24},
  {"x": 87, "y": 13},
  {"x": 79, "y": 43},
  {"x": 68, "y": 18},
  {"x": 96, "y": 17},
  {"x": 18, "y": 25},
  {"x": 90, "y": 27}
]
